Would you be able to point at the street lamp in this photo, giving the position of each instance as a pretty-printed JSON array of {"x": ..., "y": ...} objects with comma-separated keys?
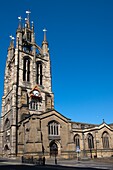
[
  {"x": 96, "y": 141},
  {"x": 84, "y": 153},
  {"x": 78, "y": 151}
]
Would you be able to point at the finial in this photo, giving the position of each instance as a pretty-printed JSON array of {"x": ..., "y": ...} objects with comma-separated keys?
[
  {"x": 20, "y": 24},
  {"x": 103, "y": 121},
  {"x": 12, "y": 38},
  {"x": 28, "y": 12},
  {"x": 12, "y": 41},
  {"x": 20, "y": 18},
  {"x": 44, "y": 30},
  {"x": 32, "y": 25},
  {"x": 26, "y": 22},
  {"x": 28, "y": 18}
]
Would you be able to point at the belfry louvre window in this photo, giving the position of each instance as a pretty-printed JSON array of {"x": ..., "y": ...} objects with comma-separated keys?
[
  {"x": 90, "y": 141},
  {"x": 105, "y": 140},
  {"x": 33, "y": 105},
  {"x": 77, "y": 140},
  {"x": 39, "y": 73},
  {"x": 26, "y": 69},
  {"x": 53, "y": 128}
]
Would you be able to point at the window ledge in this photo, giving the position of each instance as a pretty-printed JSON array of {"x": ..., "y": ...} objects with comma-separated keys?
[{"x": 53, "y": 137}]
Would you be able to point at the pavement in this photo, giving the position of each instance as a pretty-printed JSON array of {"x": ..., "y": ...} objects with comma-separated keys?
[{"x": 93, "y": 164}]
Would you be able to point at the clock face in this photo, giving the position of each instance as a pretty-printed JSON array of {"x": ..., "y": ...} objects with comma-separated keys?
[{"x": 36, "y": 93}]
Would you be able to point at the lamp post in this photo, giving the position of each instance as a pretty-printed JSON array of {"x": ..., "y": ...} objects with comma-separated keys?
[
  {"x": 55, "y": 150},
  {"x": 91, "y": 151},
  {"x": 96, "y": 141},
  {"x": 78, "y": 152},
  {"x": 84, "y": 153}
]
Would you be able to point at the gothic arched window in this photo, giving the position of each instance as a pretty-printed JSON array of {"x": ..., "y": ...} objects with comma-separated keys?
[
  {"x": 90, "y": 141},
  {"x": 7, "y": 124},
  {"x": 8, "y": 104},
  {"x": 26, "y": 69},
  {"x": 77, "y": 140},
  {"x": 53, "y": 128},
  {"x": 105, "y": 140},
  {"x": 39, "y": 73}
]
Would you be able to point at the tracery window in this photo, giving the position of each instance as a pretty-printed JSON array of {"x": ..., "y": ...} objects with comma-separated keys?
[
  {"x": 90, "y": 141},
  {"x": 26, "y": 69},
  {"x": 54, "y": 128},
  {"x": 6, "y": 136},
  {"x": 39, "y": 73},
  {"x": 8, "y": 104},
  {"x": 77, "y": 141},
  {"x": 105, "y": 140},
  {"x": 7, "y": 124}
]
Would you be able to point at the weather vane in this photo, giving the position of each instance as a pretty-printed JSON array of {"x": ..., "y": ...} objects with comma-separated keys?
[
  {"x": 20, "y": 18},
  {"x": 28, "y": 12},
  {"x": 12, "y": 38},
  {"x": 44, "y": 30}
]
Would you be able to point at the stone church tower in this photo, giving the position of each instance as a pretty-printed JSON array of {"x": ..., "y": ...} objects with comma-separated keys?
[
  {"x": 30, "y": 125},
  {"x": 27, "y": 84}
]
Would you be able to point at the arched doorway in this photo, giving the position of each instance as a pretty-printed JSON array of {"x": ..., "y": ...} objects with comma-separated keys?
[
  {"x": 53, "y": 149},
  {"x": 6, "y": 148},
  {"x": 6, "y": 151}
]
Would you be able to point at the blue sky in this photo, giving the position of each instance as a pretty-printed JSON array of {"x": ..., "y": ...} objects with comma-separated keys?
[{"x": 80, "y": 36}]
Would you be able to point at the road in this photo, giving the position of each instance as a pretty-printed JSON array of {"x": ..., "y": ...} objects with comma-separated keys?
[{"x": 62, "y": 165}]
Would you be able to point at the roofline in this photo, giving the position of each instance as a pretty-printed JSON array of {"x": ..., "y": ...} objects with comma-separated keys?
[{"x": 38, "y": 115}]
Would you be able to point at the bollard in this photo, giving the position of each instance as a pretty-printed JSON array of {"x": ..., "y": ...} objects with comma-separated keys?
[
  {"x": 43, "y": 160},
  {"x": 55, "y": 161}
]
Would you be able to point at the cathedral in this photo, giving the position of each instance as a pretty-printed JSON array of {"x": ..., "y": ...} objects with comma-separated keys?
[{"x": 29, "y": 124}]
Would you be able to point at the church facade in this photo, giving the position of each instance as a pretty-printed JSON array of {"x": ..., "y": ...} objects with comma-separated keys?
[{"x": 30, "y": 125}]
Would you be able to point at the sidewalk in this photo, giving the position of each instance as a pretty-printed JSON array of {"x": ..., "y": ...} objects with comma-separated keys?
[{"x": 92, "y": 163}]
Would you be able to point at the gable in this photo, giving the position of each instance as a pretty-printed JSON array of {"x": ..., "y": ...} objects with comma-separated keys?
[{"x": 53, "y": 114}]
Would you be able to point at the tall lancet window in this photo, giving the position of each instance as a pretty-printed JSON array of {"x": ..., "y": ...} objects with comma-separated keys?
[
  {"x": 77, "y": 141},
  {"x": 90, "y": 141},
  {"x": 105, "y": 140},
  {"x": 26, "y": 69},
  {"x": 39, "y": 73}
]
